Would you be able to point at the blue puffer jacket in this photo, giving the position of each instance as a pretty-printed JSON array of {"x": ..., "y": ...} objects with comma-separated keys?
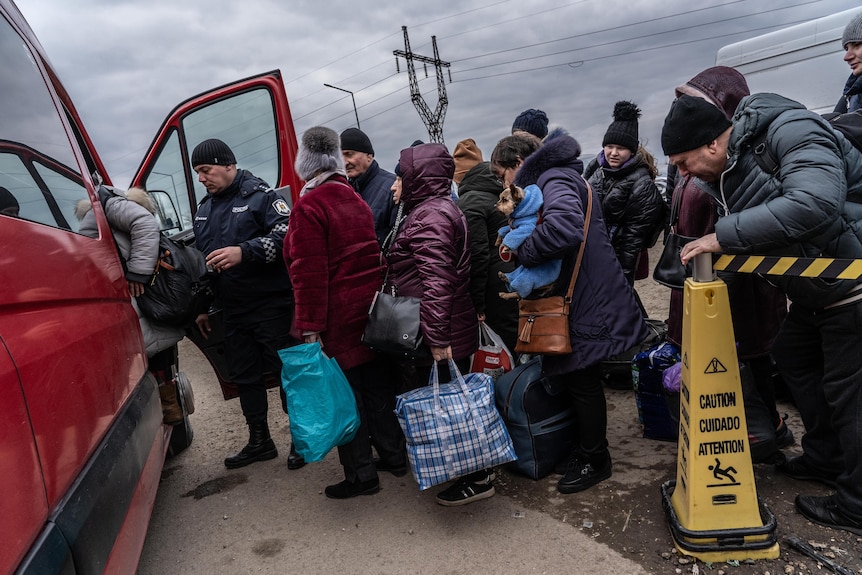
[
  {"x": 604, "y": 319},
  {"x": 248, "y": 214},
  {"x": 811, "y": 207}
]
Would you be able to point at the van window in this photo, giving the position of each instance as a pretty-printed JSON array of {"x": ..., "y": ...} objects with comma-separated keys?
[
  {"x": 37, "y": 163},
  {"x": 245, "y": 121}
]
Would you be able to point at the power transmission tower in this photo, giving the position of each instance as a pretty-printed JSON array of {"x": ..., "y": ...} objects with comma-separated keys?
[{"x": 433, "y": 121}]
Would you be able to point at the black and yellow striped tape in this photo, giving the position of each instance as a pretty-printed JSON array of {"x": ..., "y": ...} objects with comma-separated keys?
[{"x": 830, "y": 268}]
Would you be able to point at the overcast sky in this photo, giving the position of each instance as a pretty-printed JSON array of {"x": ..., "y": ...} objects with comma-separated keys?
[{"x": 128, "y": 63}]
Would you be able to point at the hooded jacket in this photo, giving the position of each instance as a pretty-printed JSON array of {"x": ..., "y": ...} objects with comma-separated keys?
[
  {"x": 632, "y": 207},
  {"x": 810, "y": 207},
  {"x": 479, "y": 192},
  {"x": 430, "y": 255},
  {"x": 604, "y": 317}
]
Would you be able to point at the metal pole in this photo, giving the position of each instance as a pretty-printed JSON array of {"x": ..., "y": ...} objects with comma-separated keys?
[
  {"x": 355, "y": 111},
  {"x": 703, "y": 271}
]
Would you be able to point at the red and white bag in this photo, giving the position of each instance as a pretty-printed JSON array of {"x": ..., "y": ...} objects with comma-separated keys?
[{"x": 492, "y": 357}]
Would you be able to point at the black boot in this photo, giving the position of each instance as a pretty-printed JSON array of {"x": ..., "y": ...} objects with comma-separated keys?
[
  {"x": 294, "y": 460},
  {"x": 260, "y": 447},
  {"x": 585, "y": 471}
]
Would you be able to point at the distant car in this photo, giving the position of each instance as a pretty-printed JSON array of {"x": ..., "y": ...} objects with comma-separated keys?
[{"x": 83, "y": 444}]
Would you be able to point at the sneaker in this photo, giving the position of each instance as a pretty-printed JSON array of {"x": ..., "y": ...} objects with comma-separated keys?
[
  {"x": 825, "y": 511},
  {"x": 799, "y": 468},
  {"x": 347, "y": 489},
  {"x": 783, "y": 435},
  {"x": 470, "y": 488}
]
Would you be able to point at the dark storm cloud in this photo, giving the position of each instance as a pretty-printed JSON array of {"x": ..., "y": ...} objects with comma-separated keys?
[{"x": 127, "y": 64}]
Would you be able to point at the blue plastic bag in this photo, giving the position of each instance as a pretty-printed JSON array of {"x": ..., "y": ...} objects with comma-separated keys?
[{"x": 320, "y": 401}]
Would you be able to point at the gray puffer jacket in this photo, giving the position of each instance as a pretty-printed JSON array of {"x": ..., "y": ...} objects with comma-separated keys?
[
  {"x": 812, "y": 205},
  {"x": 136, "y": 232}
]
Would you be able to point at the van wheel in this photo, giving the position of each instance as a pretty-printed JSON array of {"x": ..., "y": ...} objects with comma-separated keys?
[{"x": 182, "y": 434}]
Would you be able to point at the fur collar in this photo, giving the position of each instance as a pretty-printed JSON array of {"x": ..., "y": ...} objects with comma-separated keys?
[{"x": 559, "y": 150}]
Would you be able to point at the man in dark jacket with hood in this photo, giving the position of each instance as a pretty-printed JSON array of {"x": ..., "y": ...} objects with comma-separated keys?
[
  {"x": 808, "y": 206},
  {"x": 369, "y": 180},
  {"x": 240, "y": 227}
]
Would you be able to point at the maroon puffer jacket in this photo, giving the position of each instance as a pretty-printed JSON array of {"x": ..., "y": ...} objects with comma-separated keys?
[{"x": 430, "y": 257}]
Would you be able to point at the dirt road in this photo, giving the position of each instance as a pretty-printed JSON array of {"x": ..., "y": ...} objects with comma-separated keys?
[{"x": 266, "y": 519}]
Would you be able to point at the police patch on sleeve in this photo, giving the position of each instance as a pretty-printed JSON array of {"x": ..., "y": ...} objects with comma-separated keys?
[{"x": 281, "y": 207}]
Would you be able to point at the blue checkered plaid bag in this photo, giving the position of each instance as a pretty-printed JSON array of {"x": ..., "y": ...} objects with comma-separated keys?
[{"x": 453, "y": 429}]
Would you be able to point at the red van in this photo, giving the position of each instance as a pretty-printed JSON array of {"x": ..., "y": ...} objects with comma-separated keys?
[{"x": 83, "y": 444}]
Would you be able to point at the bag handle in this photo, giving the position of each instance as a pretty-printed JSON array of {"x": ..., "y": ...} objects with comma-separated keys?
[
  {"x": 674, "y": 208},
  {"x": 577, "y": 269},
  {"x": 387, "y": 244}
]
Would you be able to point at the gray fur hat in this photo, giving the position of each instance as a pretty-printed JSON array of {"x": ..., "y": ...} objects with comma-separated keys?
[
  {"x": 853, "y": 31},
  {"x": 320, "y": 150}
]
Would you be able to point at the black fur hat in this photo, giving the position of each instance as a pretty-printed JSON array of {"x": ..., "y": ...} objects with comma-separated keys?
[
  {"x": 320, "y": 150},
  {"x": 624, "y": 129}
]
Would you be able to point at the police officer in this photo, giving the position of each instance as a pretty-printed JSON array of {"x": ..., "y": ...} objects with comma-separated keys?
[{"x": 240, "y": 227}]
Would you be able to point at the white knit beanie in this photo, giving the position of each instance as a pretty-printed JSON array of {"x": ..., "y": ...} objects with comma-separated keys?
[{"x": 320, "y": 150}]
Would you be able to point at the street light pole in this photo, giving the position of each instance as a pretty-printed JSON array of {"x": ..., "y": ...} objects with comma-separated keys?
[{"x": 351, "y": 97}]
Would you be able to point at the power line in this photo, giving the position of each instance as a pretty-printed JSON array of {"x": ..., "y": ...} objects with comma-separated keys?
[
  {"x": 580, "y": 62},
  {"x": 609, "y": 42}
]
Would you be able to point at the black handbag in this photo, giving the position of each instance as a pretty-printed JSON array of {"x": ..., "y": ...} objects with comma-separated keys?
[
  {"x": 393, "y": 321},
  {"x": 669, "y": 270},
  {"x": 393, "y": 326}
]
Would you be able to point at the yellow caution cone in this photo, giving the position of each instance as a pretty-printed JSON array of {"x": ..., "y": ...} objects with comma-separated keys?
[{"x": 712, "y": 507}]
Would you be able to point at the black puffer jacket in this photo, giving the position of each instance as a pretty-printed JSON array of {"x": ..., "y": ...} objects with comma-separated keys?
[
  {"x": 430, "y": 256},
  {"x": 811, "y": 207},
  {"x": 632, "y": 206},
  {"x": 479, "y": 192}
]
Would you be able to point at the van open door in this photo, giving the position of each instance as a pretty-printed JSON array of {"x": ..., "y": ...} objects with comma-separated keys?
[{"x": 251, "y": 116}]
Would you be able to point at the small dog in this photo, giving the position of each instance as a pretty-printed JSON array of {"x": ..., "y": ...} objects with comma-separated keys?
[
  {"x": 509, "y": 199},
  {"x": 523, "y": 207}
]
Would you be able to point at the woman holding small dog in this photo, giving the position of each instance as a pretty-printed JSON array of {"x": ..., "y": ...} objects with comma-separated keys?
[{"x": 604, "y": 318}]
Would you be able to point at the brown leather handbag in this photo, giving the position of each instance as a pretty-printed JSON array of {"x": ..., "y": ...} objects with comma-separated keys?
[{"x": 543, "y": 324}]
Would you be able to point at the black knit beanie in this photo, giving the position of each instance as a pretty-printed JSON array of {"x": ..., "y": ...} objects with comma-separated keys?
[
  {"x": 355, "y": 139},
  {"x": 624, "y": 129},
  {"x": 691, "y": 123},
  {"x": 212, "y": 151},
  {"x": 533, "y": 122}
]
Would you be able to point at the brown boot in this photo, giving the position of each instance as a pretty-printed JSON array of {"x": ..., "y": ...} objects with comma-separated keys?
[{"x": 172, "y": 413}]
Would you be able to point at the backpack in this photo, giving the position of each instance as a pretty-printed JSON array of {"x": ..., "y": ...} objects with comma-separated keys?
[
  {"x": 848, "y": 125},
  {"x": 172, "y": 295}
]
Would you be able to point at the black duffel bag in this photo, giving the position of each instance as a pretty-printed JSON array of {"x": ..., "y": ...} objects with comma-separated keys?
[{"x": 171, "y": 296}]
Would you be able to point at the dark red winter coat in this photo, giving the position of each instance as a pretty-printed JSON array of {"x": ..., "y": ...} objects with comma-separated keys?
[
  {"x": 430, "y": 256},
  {"x": 333, "y": 258}
]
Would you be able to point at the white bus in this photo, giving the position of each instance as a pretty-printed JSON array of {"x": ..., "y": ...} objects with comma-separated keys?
[{"x": 803, "y": 62}]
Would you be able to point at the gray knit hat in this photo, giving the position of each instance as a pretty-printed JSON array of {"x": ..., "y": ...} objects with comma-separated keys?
[
  {"x": 319, "y": 151},
  {"x": 853, "y": 31},
  {"x": 212, "y": 151}
]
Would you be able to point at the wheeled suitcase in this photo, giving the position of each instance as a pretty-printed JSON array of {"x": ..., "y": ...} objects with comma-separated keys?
[
  {"x": 653, "y": 411},
  {"x": 539, "y": 417}
]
